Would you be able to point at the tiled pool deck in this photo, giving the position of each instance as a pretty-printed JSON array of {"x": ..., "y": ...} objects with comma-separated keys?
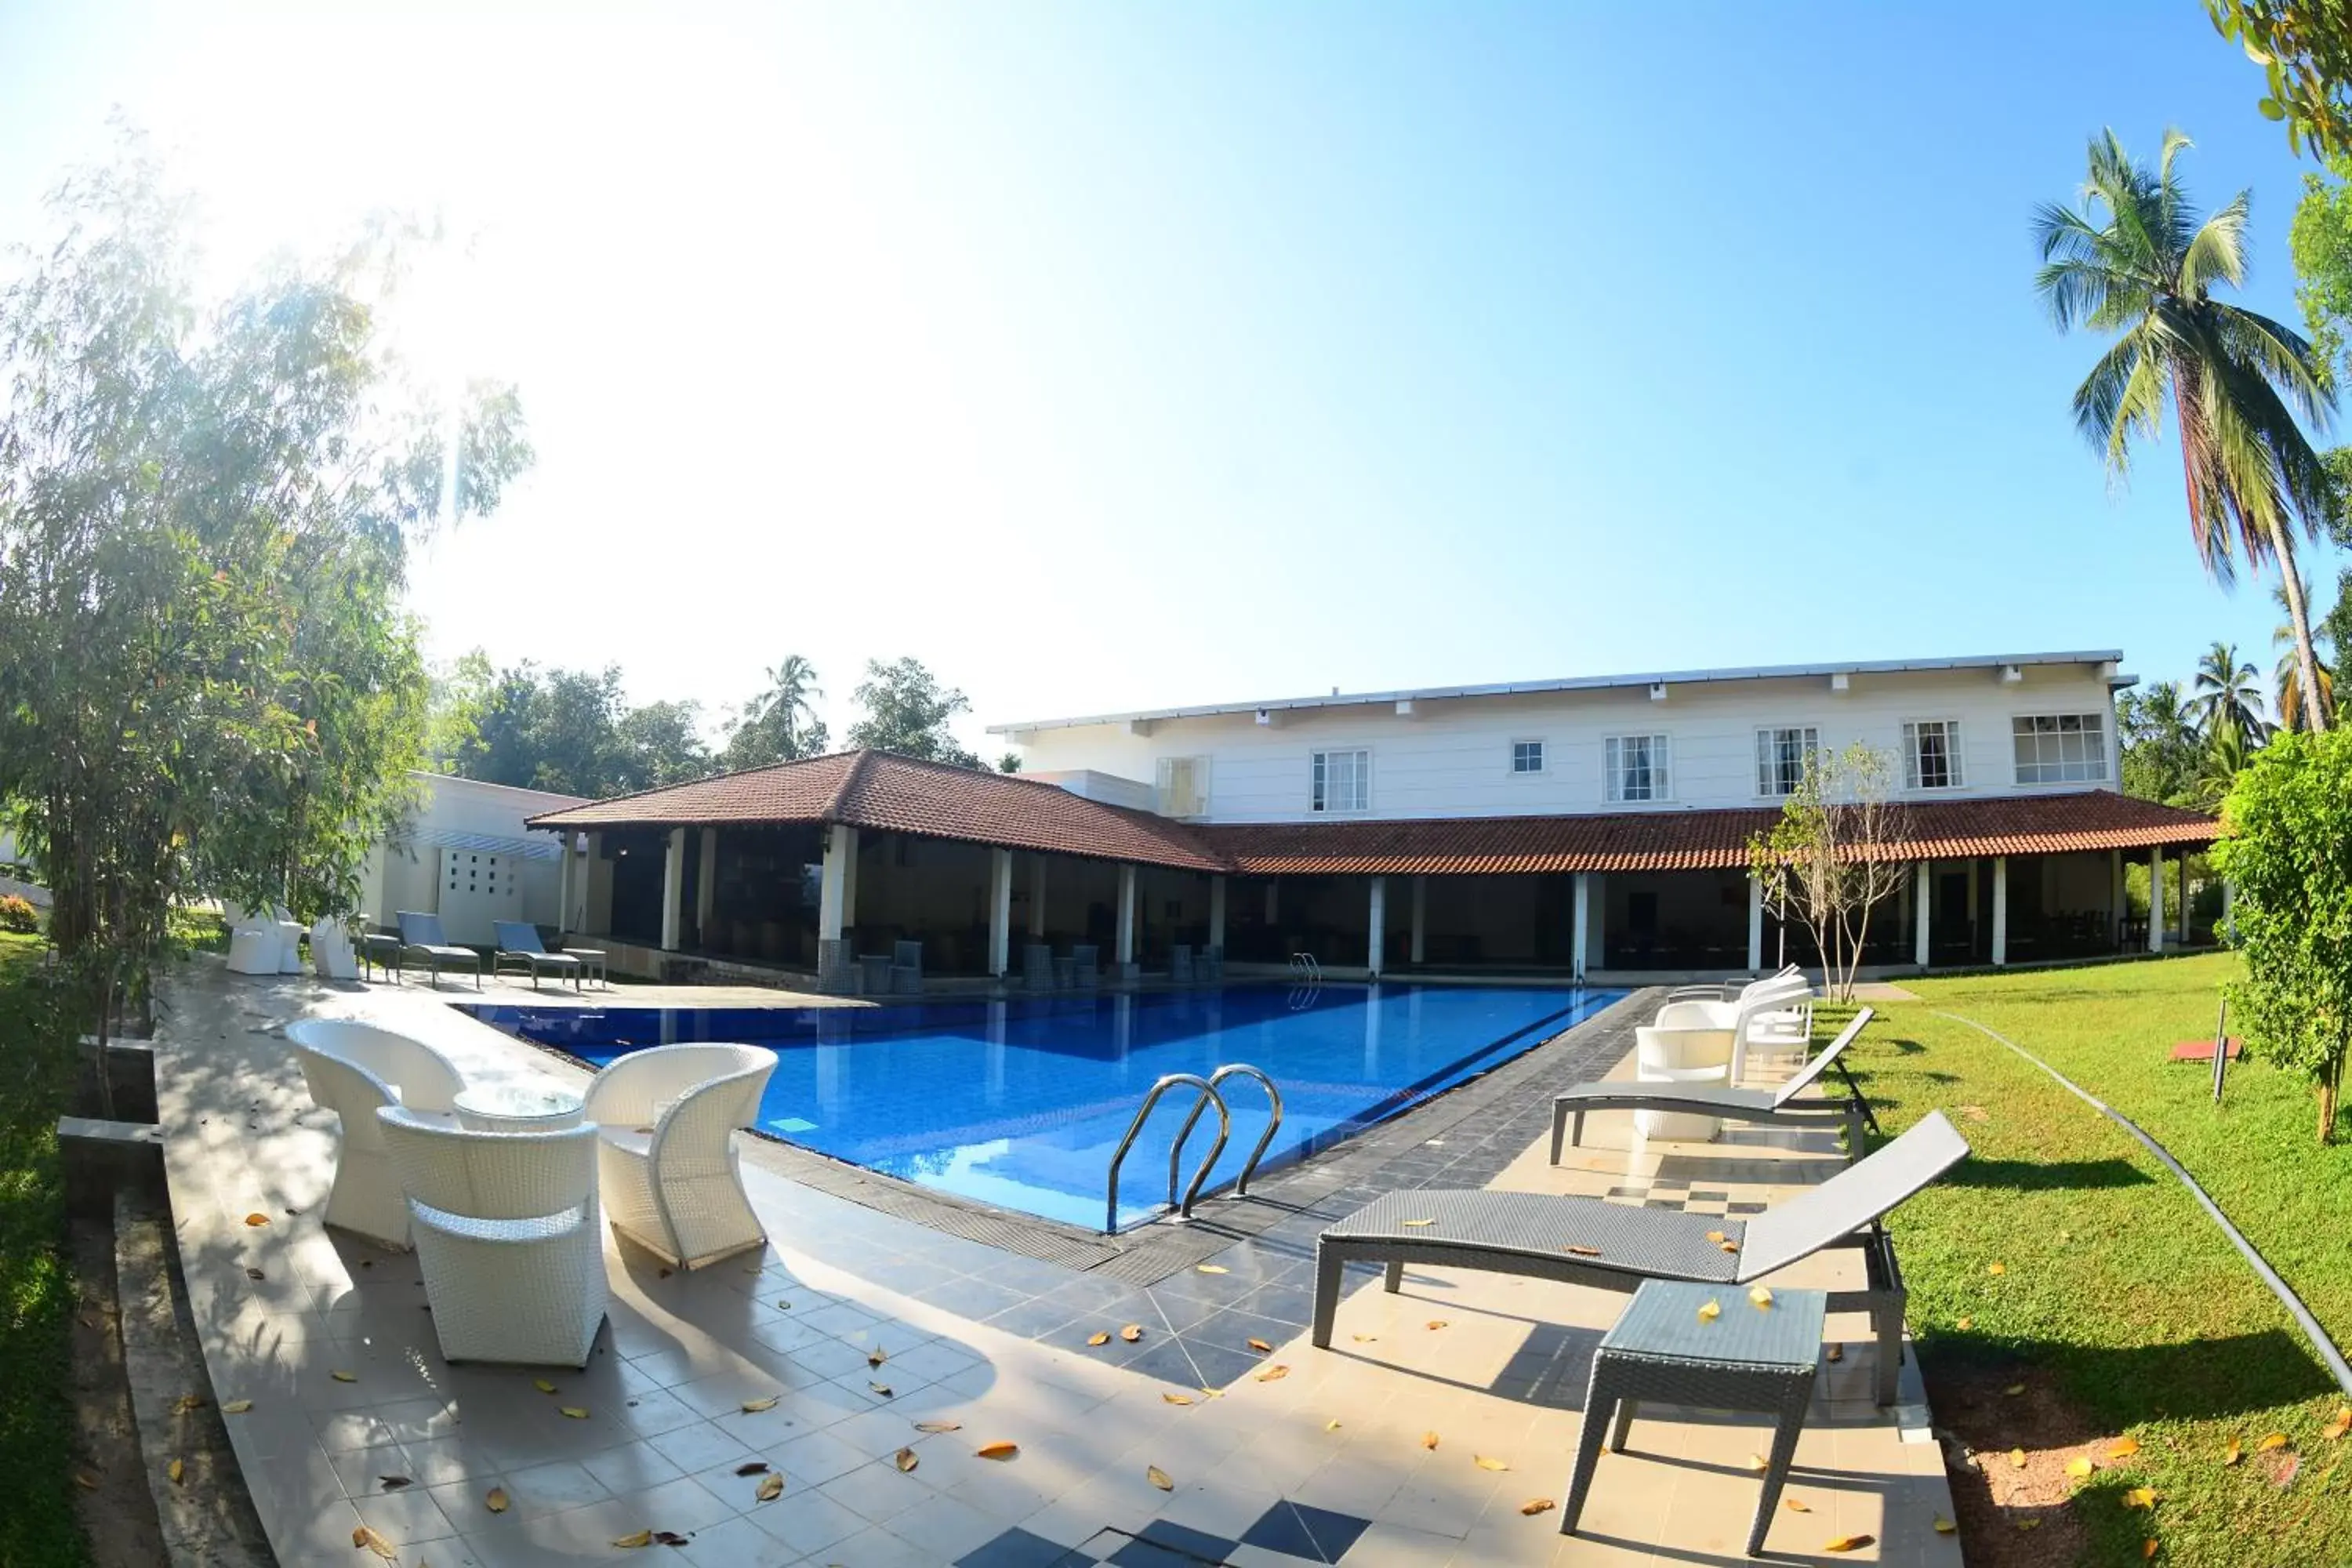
[{"x": 1326, "y": 1462}]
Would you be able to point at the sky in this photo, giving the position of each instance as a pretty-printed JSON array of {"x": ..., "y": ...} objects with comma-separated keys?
[{"x": 1109, "y": 356}]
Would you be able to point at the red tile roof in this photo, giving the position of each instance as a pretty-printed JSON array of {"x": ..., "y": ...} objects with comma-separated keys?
[
  {"x": 901, "y": 794},
  {"x": 1693, "y": 840},
  {"x": 883, "y": 791}
]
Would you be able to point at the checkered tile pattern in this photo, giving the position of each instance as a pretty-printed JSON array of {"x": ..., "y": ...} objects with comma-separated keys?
[
  {"x": 1635, "y": 1191},
  {"x": 1286, "y": 1529}
]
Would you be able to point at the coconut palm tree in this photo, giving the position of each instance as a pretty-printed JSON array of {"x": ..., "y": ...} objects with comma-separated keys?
[
  {"x": 2217, "y": 767},
  {"x": 2286, "y": 678},
  {"x": 779, "y": 725},
  {"x": 2135, "y": 260},
  {"x": 2228, "y": 695}
]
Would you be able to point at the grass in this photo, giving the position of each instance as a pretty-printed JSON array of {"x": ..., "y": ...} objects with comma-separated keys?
[
  {"x": 2117, "y": 1295},
  {"x": 36, "y": 1292}
]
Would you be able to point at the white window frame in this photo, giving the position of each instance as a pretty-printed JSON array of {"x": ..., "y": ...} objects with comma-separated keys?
[
  {"x": 1913, "y": 778},
  {"x": 1767, "y": 736},
  {"x": 1319, "y": 776},
  {"x": 1660, "y": 762},
  {"x": 1543, "y": 758},
  {"x": 2097, "y": 722}
]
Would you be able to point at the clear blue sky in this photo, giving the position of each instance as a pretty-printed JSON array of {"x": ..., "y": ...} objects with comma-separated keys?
[{"x": 1111, "y": 355}]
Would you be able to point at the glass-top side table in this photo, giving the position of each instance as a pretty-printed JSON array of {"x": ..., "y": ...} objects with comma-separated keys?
[{"x": 518, "y": 1108}]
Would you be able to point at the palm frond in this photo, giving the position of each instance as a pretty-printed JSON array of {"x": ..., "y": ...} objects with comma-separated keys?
[
  {"x": 2216, "y": 252},
  {"x": 2283, "y": 356}
]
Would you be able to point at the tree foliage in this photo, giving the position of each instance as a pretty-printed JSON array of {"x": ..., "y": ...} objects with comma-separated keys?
[
  {"x": 568, "y": 731},
  {"x": 909, "y": 713},
  {"x": 2229, "y": 694},
  {"x": 2304, "y": 49},
  {"x": 779, "y": 725},
  {"x": 2287, "y": 851},
  {"x": 1829, "y": 861},
  {"x": 2158, "y": 733},
  {"x": 206, "y": 680}
]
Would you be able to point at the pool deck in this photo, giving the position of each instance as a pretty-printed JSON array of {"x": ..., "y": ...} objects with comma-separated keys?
[{"x": 1326, "y": 1462}]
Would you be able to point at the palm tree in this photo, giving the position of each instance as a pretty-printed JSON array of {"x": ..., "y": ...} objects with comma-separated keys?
[
  {"x": 2217, "y": 767},
  {"x": 779, "y": 725},
  {"x": 2229, "y": 694},
  {"x": 2286, "y": 679},
  {"x": 2135, "y": 260}
]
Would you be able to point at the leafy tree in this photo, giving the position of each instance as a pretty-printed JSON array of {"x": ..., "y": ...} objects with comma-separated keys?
[
  {"x": 1010, "y": 762},
  {"x": 1829, "y": 861},
  {"x": 909, "y": 711},
  {"x": 2287, "y": 851},
  {"x": 2229, "y": 694},
  {"x": 459, "y": 694},
  {"x": 2159, "y": 743},
  {"x": 205, "y": 685},
  {"x": 2134, "y": 260},
  {"x": 2286, "y": 676},
  {"x": 661, "y": 743},
  {"x": 2219, "y": 760},
  {"x": 779, "y": 725},
  {"x": 2320, "y": 242},
  {"x": 2304, "y": 48},
  {"x": 568, "y": 731}
]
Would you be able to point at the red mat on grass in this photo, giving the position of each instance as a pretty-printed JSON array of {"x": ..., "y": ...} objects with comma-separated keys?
[{"x": 2200, "y": 1050}]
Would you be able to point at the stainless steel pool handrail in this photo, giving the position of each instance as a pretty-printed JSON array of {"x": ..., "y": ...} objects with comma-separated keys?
[
  {"x": 1304, "y": 963},
  {"x": 1273, "y": 1123},
  {"x": 1209, "y": 1095}
]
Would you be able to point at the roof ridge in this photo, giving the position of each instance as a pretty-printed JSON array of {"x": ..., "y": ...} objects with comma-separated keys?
[{"x": 830, "y": 810}]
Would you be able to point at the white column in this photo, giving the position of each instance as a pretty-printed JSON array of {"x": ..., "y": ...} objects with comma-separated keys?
[
  {"x": 1216, "y": 912},
  {"x": 1755, "y": 925},
  {"x": 2183, "y": 916},
  {"x": 1000, "y": 911},
  {"x": 1999, "y": 909},
  {"x": 1581, "y": 929},
  {"x": 1923, "y": 901},
  {"x": 2156, "y": 901},
  {"x": 706, "y": 886},
  {"x": 673, "y": 888},
  {"x": 2116, "y": 905},
  {"x": 1037, "y": 898},
  {"x": 832, "y": 897},
  {"x": 562, "y": 881},
  {"x": 1125, "y": 917},
  {"x": 1376, "y": 940},
  {"x": 1420, "y": 919}
]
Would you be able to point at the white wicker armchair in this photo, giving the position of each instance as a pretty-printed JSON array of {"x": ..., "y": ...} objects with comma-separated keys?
[
  {"x": 351, "y": 1068},
  {"x": 666, "y": 1149},
  {"x": 506, "y": 1237}
]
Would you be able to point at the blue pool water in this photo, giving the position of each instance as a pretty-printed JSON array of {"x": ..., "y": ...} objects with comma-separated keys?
[{"x": 1021, "y": 1103}]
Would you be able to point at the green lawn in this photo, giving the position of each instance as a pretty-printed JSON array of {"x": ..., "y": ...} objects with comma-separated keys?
[
  {"x": 2119, "y": 1299},
  {"x": 37, "y": 1526}
]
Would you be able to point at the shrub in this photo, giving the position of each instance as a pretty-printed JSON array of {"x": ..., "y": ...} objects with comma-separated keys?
[{"x": 17, "y": 914}]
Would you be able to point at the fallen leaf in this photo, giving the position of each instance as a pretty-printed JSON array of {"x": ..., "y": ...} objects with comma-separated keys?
[
  {"x": 257, "y": 1218},
  {"x": 1995, "y": 1268},
  {"x": 187, "y": 1403},
  {"x": 1582, "y": 1251},
  {"x": 1434, "y": 1323},
  {"x": 905, "y": 1460},
  {"x": 642, "y": 1538},
  {"x": 1717, "y": 1237},
  {"x": 752, "y": 1468},
  {"x": 2231, "y": 1454},
  {"x": 1536, "y": 1505},
  {"x": 1132, "y": 1332},
  {"x": 1965, "y": 1324},
  {"x": 876, "y": 1356},
  {"x": 1709, "y": 1311},
  {"x": 2273, "y": 1440},
  {"x": 1158, "y": 1477},
  {"x": 881, "y": 1390},
  {"x": 1211, "y": 1268},
  {"x": 661, "y": 1538},
  {"x": 1260, "y": 1346},
  {"x": 786, "y": 1306},
  {"x": 1761, "y": 1297},
  {"x": 1273, "y": 1374},
  {"x": 2080, "y": 1468},
  {"x": 1101, "y": 1338},
  {"x": 2339, "y": 1424},
  {"x": 999, "y": 1450},
  {"x": 2148, "y": 1548},
  {"x": 342, "y": 1376},
  {"x": 393, "y": 1483},
  {"x": 85, "y": 1481},
  {"x": 1944, "y": 1526},
  {"x": 771, "y": 1487},
  {"x": 1796, "y": 1505},
  {"x": 2034, "y": 1523},
  {"x": 254, "y": 1274},
  {"x": 1835, "y": 1352},
  {"x": 1429, "y": 1439},
  {"x": 363, "y": 1536},
  {"x": 2014, "y": 1389},
  {"x": 750, "y": 1406},
  {"x": 2140, "y": 1497},
  {"x": 177, "y": 1471},
  {"x": 1176, "y": 1398},
  {"x": 1758, "y": 1462},
  {"x": 497, "y": 1501},
  {"x": 938, "y": 1426},
  {"x": 2017, "y": 1458},
  {"x": 1849, "y": 1543},
  {"x": 1417, "y": 1222},
  {"x": 541, "y": 1385},
  {"x": 1365, "y": 1339},
  {"x": 577, "y": 1412},
  {"x": 1484, "y": 1463},
  {"x": 2123, "y": 1448},
  {"x": 1331, "y": 1425}
]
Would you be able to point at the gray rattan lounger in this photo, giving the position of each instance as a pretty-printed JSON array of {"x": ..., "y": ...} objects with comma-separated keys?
[
  {"x": 519, "y": 940},
  {"x": 1778, "y": 1106},
  {"x": 423, "y": 933},
  {"x": 1611, "y": 1247}
]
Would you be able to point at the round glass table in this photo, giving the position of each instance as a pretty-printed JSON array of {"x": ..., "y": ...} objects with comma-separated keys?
[{"x": 518, "y": 1108}]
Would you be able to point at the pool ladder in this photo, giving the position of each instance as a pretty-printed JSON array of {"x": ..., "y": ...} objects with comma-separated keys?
[{"x": 1208, "y": 1097}]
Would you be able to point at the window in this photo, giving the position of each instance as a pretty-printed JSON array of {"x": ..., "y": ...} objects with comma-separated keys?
[
  {"x": 1780, "y": 757},
  {"x": 1635, "y": 767},
  {"x": 1342, "y": 781},
  {"x": 1181, "y": 786},
  {"x": 2060, "y": 748},
  {"x": 1527, "y": 756},
  {"x": 1931, "y": 753}
]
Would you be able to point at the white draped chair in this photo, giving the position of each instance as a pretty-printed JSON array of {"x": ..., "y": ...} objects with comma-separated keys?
[
  {"x": 353, "y": 1069},
  {"x": 670, "y": 1174},
  {"x": 508, "y": 1237}
]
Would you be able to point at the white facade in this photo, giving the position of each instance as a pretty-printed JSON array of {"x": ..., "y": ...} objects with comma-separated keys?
[
  {"x": 467, "y": 856},
  {"x": 1551, "y": 749}
]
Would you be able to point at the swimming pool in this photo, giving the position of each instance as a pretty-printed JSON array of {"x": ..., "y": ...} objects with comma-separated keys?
[{"x": 1021, "y": 1103}]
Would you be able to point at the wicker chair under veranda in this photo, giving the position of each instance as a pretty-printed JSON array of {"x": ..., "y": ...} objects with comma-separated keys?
[{"x": 671, "y": 1176}]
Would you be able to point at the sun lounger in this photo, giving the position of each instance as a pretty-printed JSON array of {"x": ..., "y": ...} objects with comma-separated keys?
[
  {"x": 421, "y": 934},
  {"x": 1613, "y": 1246},
  {"x": 1774, "y": 1107},
  {"x": 519, "y": 939},
  {"x": 1732, "y": 990}
]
